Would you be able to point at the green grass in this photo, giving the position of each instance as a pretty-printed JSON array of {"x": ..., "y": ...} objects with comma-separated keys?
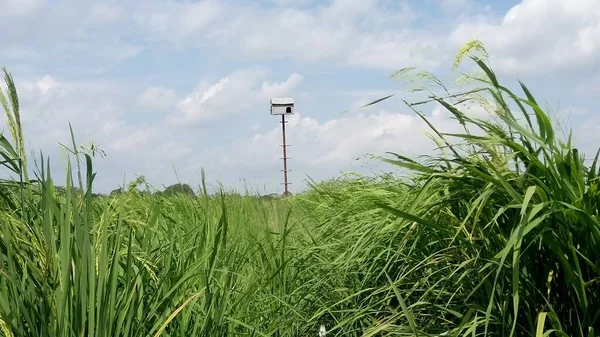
[{"x": 494, "y": 234}]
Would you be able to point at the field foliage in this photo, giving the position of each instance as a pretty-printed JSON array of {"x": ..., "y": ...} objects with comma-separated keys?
[{"x": 496, "y": 233}]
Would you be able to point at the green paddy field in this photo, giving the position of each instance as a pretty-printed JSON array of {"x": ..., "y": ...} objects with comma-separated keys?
[{"x": 495, "y": 234}]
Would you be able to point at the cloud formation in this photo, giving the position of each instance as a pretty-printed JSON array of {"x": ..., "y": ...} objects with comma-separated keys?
[
  {"x": 186, "y": 84},
  {"x": 230, "y": 95},
  {"x": 539, "y": 36},
  {"x": 157, "y": 98},
  {"x": 19, "y": 8}
]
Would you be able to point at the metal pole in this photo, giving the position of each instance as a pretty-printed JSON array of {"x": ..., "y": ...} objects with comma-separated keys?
[{"x": 285, "y": 170}]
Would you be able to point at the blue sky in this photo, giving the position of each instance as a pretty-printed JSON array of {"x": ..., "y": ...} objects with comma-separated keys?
[{"x": 166, "y": 85}]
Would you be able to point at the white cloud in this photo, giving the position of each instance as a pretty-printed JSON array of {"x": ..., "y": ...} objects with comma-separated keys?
[
  {"x": 157, "y": 98},
  {"x": 395, "y": 50},
  {"x": 132, "y": 140},
  {"x": 457, "y": 5},
  {"x": 325, "y": 31},
  {"x": 322, "y": 148},
  {"x": 230, "y": 95},
  {"x": 43, "y": 84},
  {"x": 48, "y": 105},
  {"x": 175, "y": 21},
  {"x": 539, "y": 36},
  {"x": 111, "y": 50},
  {"x": 104, "y": 12},
  {"x": 320, "y": 32},
  {"x": 73, "y": 54},
  {"x": 585, "y": 134},
  {"x": 252, "y": 31},
  {"x": 197, "y": 16},
  {"x": 292, "y": 2},
  {"x": 79, "y": 37},
  {"x": 275, "y": 89},
  {"x": 588, "y": 85},
  {"x": 20, "y": 8},
  {"x": 134, "y": 144}
]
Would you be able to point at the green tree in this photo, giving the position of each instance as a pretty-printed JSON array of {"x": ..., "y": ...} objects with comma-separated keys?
[
  {"x": 116, "y": 192},
  {"x": 179, "y": 189}
]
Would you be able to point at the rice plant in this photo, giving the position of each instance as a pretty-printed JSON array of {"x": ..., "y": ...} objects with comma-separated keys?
[
  {"x": 518, "y": 206},
  {"x": 495, "y": 234}
]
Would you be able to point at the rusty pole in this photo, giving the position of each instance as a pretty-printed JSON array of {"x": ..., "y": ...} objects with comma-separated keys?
[{"x": 285, "y": 158}]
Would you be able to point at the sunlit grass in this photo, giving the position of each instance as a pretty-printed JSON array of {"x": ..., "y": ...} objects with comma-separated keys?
[{"x": 496, "y": 234}]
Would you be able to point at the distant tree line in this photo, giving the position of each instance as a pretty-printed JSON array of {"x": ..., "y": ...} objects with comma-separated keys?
[{"x": 175, "y": 189}]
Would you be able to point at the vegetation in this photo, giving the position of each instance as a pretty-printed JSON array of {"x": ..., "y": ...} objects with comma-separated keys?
[
  {"x": 495, "y": 234},
  {"x": 179, "y": 188}
]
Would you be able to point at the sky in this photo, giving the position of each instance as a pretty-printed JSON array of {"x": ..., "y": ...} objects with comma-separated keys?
[{"x": 167, "y": 88}]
